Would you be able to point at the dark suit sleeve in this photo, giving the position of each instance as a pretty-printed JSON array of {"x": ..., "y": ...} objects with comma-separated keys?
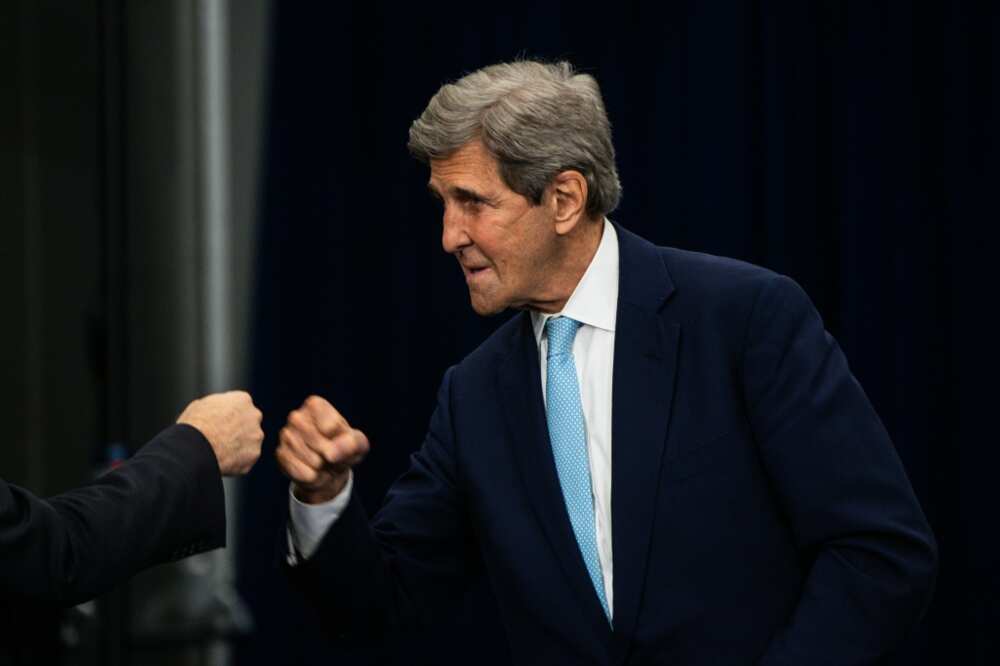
[
  {"x": 842, "y": 487},
  {"x": 165, "y": 503},
  {"x": 411, "y": 562}
]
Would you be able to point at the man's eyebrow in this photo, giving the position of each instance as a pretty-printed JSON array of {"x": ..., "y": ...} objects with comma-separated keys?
[
  {"x": 464, "y": 194},
  {"x": 467, "y": 194},
  {"x": 461, "y": 193}
]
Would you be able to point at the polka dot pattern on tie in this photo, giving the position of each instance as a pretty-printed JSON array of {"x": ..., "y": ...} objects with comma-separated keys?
[{"x": 567, "y": 432}]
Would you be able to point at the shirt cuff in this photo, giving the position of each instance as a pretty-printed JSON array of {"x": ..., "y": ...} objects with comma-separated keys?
[{"x": 309, "y": 522}]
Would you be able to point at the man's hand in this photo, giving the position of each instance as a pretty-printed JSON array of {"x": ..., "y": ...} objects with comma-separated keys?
[
  {"x": 317, "y": 449},
  {"x": 231, "y": 424}
]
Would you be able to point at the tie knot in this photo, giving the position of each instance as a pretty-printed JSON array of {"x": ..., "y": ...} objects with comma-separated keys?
[{"x": 561, "y": 331}]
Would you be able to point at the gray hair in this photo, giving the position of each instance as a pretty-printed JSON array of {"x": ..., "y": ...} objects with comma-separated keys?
[{"x": 536, "y": 119}]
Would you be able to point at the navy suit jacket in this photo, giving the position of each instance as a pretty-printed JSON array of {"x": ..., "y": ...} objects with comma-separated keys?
[
  {"x": 760, "y": 513},
  {"x": 163, "y": 504}
]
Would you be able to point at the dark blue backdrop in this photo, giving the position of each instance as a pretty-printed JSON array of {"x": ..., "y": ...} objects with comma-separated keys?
[{"x": 852, "y": 146}]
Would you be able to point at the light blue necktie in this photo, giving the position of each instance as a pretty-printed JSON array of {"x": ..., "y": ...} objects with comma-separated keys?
[{"x": 569, "y": 444}]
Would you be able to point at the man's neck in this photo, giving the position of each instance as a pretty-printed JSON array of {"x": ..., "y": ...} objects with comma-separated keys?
[{"x": 578, "y": 252}]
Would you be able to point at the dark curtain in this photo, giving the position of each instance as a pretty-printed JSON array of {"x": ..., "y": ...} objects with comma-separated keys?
[{"x": 852, "y": 146}]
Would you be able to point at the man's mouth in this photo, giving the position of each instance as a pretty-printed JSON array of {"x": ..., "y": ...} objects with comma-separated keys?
[{"x": 474, "y": 272}]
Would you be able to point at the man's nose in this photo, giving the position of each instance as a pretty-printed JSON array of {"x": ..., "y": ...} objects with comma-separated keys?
[{"x": 453, "y": 234}]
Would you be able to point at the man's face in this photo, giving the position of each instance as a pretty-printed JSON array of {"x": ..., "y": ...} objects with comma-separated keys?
[{"x": 502, "y": 241}]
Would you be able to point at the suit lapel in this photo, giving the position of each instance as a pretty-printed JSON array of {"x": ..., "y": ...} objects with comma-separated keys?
[
  {"x": 643, "y": 385},
  {"x": 645, "y": 368},
  {"x": 519, "y": 378}
]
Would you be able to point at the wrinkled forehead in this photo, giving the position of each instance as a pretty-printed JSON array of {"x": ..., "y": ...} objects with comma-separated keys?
[{"x": 470, "y": 168}]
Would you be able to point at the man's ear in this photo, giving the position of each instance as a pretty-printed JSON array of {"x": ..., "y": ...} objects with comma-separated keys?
[{"x": 568, "y": 196}]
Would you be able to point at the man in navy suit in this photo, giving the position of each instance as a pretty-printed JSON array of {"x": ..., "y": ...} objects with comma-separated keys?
[{"x": 663, "y": 459}]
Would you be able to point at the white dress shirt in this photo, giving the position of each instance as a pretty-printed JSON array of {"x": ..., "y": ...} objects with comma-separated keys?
[{"x": 593, "y": 303}]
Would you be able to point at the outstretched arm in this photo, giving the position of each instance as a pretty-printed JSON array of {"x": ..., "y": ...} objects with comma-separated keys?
[
  {"x": 163, "y": 504},
  {"x": 411, "y": 561}
]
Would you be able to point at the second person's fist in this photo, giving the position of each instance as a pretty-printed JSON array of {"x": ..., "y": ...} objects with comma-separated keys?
[{"x": 231, "y": 424}]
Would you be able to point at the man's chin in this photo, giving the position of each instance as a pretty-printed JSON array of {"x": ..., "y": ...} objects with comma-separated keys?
[{"x": 484, "y": 307}]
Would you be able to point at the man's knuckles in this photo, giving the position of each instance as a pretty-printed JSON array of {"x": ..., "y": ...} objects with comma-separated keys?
[
  {"x": 307, "y": 456},
  {"x": 330, "y": 451},
  {"x": 316, "y": 404},
  {"x": 330, "y": 427},
  {"x": 330, "y": 423},
  {"x": 295, "y": 467},
  {"x": 301, "y": 423},
  {"x": 346, "y": 449},
  {"x": 354, "y": 443},
  {"x": 324, "y": 415},
  {"x": 305, "y": 474},
  {"x": 291, "y": 442},
  {"x": 317, "y": 438}
]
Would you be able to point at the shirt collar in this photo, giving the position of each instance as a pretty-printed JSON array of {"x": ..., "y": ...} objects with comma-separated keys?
[{"x": 594, "y": 301}]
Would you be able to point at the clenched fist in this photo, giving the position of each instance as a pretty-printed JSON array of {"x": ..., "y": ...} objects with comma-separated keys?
[
  {"x": 317, "y": 449},
  {"x": 231, "y": 424}
]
